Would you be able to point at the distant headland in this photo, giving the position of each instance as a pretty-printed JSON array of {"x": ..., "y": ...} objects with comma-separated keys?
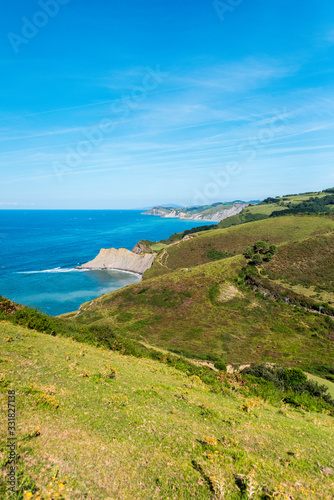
[{"x": 213, "y": 213}]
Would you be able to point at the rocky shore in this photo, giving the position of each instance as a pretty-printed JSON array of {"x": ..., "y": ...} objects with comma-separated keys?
[{"x": 120, "y": 259}]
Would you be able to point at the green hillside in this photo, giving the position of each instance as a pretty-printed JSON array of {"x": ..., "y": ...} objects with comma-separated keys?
[
  {"x": 213, "y": 311},
  {"x": 96, "y": 424},
  {"x": 196, "y": 250},
  {"x": 306, "y": 266},
  {"x": 295, "y": 204},
  {"x": 138, "y": 394},
  {"x": 318, "y": 202},
  {"x": 203, "y": 312}
]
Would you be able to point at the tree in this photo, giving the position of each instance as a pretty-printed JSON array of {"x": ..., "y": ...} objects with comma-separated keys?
[
  {"x": 273, "y": 249},
  {"x": 257, "y": 259},
  {"x": 260, "y": 247},
  {"x": 249, "y": 252}
]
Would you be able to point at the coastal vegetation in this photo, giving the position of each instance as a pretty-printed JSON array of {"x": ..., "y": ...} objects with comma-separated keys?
[
  {"x": 212, "y": 378},
  {"x": 96, "y": 423}
]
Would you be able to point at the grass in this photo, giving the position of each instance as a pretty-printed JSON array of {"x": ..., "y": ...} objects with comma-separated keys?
[
  {"x": 157, "y": 246},
  {"x": 203, "y": 308},
  {"x": 151, "y": 432},
  {"x": 309, "y": 263},
  {"x": 266, "y": 209},
  {"x": 195, "y": 311},
  {"x": 279, "y": 230},
  {"x": 322, "y": 381}
]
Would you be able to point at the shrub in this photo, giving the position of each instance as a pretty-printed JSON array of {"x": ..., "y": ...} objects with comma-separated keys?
[
  {"x": 292, "y": 377},
  {"x": 268, "y": 257},
  {"x": 260, "y": 247},
  {"x": 256, "y": 260},
  {"x": 248, "y": 253},
  {"x": 294, "y": 382},
  {"x": 220, "y": 366}
]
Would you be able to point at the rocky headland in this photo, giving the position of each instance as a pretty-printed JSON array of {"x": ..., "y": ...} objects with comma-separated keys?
[
  {"x": 214, "y": 214},
  {"x": 120, "y": 259}
]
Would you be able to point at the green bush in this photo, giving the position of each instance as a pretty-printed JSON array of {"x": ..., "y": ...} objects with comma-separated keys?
[
  {"x": 294, "y": 382},
  {"x": 260, "y": 247},
  {"x": 256, "y": 260},
  {"x": 268, "y": 257},
  {"x": 220, "y": 366},
  {"x": 214, "y": 254}
]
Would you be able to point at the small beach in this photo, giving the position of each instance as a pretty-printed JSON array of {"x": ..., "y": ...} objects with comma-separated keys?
[{"x": 40, "y": 250}]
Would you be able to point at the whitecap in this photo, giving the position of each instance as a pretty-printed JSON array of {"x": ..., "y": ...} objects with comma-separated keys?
[{"x": 55, "y": 270}]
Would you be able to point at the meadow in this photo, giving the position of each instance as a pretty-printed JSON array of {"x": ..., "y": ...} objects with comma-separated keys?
[{"x": 95, "y": 424}]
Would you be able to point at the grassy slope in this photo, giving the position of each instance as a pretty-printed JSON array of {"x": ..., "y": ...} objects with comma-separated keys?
[
  {"x": 264, "y": 210},
  {"x": 322, "y": 381},
  {"x": 143, "y": 434},
  {"x": 235, "y": 239},
  {"x": 202, "y": 312},
  {"x": 306, "y": 266}
]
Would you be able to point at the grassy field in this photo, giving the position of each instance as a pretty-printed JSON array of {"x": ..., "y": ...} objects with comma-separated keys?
[
  {"x": 94, "y": 424},
  {"x": 195, "y": 251},
  {"x": 266, "y": 209}
]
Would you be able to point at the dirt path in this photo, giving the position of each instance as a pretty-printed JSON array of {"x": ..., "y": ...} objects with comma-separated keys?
[
  {"x": 197, "y": 362},
  {"x": 165, "y": 253}
]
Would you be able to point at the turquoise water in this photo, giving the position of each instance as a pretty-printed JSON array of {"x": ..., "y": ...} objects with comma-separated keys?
[{"x": 39, "y": 250}]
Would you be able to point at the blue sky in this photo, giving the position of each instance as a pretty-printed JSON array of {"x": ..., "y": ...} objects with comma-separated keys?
[{"x": 128, "y": 104}]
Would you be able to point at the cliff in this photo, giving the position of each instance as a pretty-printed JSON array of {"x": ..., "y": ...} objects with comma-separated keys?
[
  {"x": 225, "y": 213},
  {"x": 141, "y": 247},
  {"x": 215, "y": 213},
  {"x": 120, "y": 259}
]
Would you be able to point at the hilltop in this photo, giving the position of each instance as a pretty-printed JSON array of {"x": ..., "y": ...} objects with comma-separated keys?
[{"x": 293, "y": 204}]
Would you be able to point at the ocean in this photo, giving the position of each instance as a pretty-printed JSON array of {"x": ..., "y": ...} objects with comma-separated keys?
[{"x": 39, "y": 250}]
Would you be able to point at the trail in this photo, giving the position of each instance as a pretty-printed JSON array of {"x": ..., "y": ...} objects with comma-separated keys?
[{"x": 165, "y": 252}]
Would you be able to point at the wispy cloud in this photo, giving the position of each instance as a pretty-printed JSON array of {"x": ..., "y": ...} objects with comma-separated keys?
[{"x": 194, "y": 123}]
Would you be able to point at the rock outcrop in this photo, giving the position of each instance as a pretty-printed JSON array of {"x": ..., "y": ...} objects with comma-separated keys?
[
  {"x": 120, "y": 259},
  {"x": 224, "y": 214},
  {"x": 141, "y": 248}
]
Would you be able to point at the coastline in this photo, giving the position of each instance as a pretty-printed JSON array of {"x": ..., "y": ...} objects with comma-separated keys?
[
  {"x": 44, "y": 277},
  {"x": 139, "y": 275}
]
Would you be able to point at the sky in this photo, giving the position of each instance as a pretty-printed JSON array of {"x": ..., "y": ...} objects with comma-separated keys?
[{"x": 124, "y": 104}]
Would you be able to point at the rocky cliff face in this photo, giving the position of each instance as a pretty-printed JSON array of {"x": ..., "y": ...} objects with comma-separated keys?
[
  {"x": 224, "y": 214},
  {"x": 215, "y": 217},
  {"x": 141, "y": 248},
  {"x": 120, "y": 259}
]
